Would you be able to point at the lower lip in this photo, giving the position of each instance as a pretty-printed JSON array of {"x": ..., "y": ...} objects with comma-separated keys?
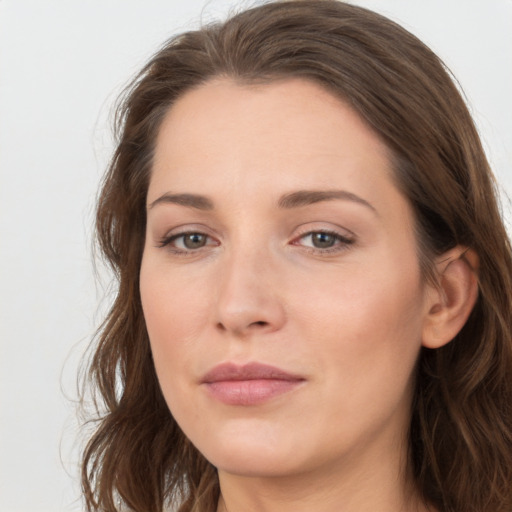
[{"x": 250, "y": 392}]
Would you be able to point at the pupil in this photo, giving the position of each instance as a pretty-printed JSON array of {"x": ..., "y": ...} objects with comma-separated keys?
[
  {"x": 323, "y": 240},
  {"x": 194, "y": 241}
]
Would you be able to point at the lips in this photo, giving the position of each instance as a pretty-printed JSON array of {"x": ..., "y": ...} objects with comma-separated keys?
[{"x": 250, "y": 384}]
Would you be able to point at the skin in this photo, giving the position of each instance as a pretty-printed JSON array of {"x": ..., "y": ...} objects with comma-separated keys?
[{"x": 349, "y": 319}]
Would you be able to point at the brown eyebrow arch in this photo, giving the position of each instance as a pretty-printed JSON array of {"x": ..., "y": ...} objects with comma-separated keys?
[
  {"x": 287, "y": 201},
  {"x": 189, "y": 200},
  {"x": 307, "y": 197}
]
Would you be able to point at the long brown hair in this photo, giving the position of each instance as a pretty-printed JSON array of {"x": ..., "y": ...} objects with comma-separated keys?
[{"x": 460, "y": 438}]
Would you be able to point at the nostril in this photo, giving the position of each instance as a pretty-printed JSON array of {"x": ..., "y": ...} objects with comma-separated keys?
[
  {"x": 261, "y": 323},
  {"x": 258, "y": 324}
]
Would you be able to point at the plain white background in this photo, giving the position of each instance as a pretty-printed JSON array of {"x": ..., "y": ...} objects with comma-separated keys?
[{"x": 62, "y": 62}]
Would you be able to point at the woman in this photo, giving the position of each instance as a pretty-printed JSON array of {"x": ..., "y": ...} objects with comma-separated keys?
[{"x": 314, "y": 279}]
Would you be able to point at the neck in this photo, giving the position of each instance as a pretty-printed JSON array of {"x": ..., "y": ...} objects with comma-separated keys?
[{"x": 262, "y": 496}]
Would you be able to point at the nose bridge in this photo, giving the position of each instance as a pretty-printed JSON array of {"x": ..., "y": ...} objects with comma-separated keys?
[{"x": 248, "y": 294}]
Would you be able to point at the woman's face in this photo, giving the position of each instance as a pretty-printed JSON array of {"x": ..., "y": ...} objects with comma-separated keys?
[{"x": 280, "y": 280}]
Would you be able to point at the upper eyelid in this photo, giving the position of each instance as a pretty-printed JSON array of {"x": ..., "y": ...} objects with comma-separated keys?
[
  {"x": 305, "y": 229},
  {"x": 302, "y": 230},
  {"x": 342, "y": 239},
  {"x": 325, "y": 231},
  {"x": 174, "y": 236},
  {"x": 183, "y": 229},
  {"x": 203, "y": 231}
]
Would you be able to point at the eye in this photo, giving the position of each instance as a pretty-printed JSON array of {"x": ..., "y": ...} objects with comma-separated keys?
[
  {"x": 323, "y": 241},
  {"x": 186, "y": 242},
  {"x": 192, "y": 240}
]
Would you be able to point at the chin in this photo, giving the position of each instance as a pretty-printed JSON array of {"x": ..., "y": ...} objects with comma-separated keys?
[
  {"x": 254, "y": 463},
  {"x": 255, "y": 454}
]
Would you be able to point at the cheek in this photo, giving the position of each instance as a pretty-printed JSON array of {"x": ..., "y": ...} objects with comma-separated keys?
[
  {"x": 363, "y": 336},
  {"x": 367, "y": 322},
  {"x": 169, "y": 313},
  {"x": 174, "y": 311}
]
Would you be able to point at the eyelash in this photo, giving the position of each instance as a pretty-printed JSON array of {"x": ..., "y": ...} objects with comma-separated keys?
[
  {"x": 341, "y": 242},
  {"x": 167, "y": 241}
]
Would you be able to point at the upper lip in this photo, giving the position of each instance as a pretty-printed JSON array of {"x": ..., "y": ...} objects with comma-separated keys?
[{"x": 250, "y": 371}]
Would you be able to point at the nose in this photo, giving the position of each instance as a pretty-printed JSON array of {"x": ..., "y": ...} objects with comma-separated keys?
[{"x": 249, "y": 299}]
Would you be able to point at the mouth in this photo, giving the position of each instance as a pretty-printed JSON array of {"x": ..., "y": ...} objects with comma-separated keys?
[{"x": 250, "y": 384}]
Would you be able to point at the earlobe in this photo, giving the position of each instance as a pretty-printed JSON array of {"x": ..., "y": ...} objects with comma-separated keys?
[{"x": 450, "y": 302}]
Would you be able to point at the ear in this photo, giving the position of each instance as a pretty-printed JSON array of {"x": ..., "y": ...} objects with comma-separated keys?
[{"x": 450, "y": 303}]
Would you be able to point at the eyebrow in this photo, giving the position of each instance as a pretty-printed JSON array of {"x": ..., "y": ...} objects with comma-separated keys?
[
  {"x": 307, "y": 197},
  {"x": 287, "y": 201},
  {"x": 189, "y": 200}
]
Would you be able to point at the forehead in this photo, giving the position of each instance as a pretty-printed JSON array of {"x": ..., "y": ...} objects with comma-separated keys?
[{"x": 291, "y": 134}]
